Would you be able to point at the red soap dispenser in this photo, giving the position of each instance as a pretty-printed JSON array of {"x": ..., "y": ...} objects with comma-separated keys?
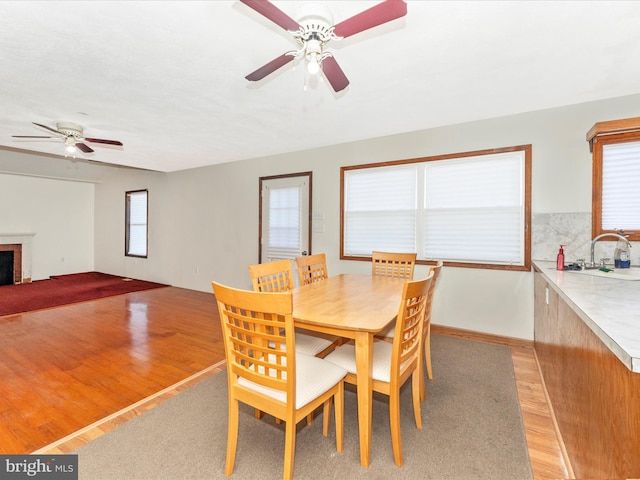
[{"x": 560, "y": 260}]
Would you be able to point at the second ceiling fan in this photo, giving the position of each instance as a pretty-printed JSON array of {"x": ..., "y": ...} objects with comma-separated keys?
[{"x": 314, "y": 29}]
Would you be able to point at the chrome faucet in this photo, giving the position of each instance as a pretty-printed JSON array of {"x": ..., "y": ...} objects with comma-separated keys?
[{"x": 592, "y": 264}]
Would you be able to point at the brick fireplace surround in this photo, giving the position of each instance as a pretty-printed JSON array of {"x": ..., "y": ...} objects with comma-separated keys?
[
  {"x": 17, "y": 260},
  {"x": 20, "y": 245}
]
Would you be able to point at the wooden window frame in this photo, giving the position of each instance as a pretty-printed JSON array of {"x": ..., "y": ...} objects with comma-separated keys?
[
  {"x": 597, "y": 144},
  {"x": 127, "y": 224}
]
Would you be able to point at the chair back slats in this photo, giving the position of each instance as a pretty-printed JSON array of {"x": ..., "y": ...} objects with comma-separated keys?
[
  {"x": 258, "y": 335},
  {"x": 390, "y": 264},
  {"x": 312, "y": 268},
  {"x": 272, "y": 276},
  {"x": 407, "y": 340}
]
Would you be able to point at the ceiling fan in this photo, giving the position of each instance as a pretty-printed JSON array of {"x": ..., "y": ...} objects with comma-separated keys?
[
  {"x": 72, "y": 136},
  {"x": 314, "y": 29}
]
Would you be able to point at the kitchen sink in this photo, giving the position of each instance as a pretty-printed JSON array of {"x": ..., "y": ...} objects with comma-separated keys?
[{"x": 632, "y": 273}]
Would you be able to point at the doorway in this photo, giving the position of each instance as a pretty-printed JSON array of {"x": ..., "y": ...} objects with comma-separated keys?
[{"x": 285, "y": 216}]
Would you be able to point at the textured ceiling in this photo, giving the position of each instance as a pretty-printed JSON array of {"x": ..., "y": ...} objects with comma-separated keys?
[{"x": 167, "y": 78}]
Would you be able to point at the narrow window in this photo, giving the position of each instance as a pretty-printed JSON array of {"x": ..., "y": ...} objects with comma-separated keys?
[{"x": 136, "y": 216}]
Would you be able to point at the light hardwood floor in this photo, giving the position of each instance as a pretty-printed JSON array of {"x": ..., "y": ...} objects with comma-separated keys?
[{"x": 143, "y": 348}]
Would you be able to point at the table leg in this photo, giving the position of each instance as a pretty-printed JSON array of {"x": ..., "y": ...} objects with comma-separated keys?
[{"x": 364, "y": 367}]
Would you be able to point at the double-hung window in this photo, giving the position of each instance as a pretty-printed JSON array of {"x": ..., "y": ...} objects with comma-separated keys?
[
  {"x": 469, "y": 209},
  {"x": 136, "y": 215}
]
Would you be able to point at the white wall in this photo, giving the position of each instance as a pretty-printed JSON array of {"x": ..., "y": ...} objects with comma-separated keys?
[
  {"x": 204, "y": 222},
  {"x": 61, "y": 215}
]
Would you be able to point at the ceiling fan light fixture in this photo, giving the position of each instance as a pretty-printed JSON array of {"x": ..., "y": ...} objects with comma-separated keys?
[
  {"x": 313, "y": 66},
  {"x": 314, "y": 55},
  {"x": 70, "y": 147}
]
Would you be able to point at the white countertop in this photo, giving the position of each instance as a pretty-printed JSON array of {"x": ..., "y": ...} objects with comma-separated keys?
[{"x": 610, "y": 307}]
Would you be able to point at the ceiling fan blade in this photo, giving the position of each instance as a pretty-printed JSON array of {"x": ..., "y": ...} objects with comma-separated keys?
[
  {"x": 377, "y": 15},
  {"x": 270, "y": 67},
  {"x": 85, "y": 148},
  {"x": 273, "y": 13},
  {"x": 100, "y": 140},
  {"x": 47, "y": 128},
  {"x": 334, "y": 74},
  {"x": 31, "y": 136}
]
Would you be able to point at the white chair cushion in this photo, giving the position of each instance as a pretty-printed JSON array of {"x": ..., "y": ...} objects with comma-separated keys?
[
  {"x": 314, "y": 376},
  {"x": 345, "y": 357},
  {"x": 311, "y": 344},
  {"x": 307, "y": 344}
]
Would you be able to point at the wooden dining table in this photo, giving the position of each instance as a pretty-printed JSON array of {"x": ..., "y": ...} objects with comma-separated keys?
[{"x": 355, "y": 307}]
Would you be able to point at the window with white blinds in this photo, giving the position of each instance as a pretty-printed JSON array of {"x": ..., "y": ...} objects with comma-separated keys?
[
  {"x": 136, "y": 223},
  {"x": 378, "y": 201},
  {"x": 467, "y": 209},
  {"x": 620, "y": 192},
  {"x": 284, "y": 222}
]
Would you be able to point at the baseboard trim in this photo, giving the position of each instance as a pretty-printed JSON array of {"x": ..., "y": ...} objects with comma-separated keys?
[{"x": 481, "y": 337}]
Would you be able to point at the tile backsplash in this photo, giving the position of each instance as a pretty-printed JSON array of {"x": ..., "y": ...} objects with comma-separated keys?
[{"x": 550, "y": 230}]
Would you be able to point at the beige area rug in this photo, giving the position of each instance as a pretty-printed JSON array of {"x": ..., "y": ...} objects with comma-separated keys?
[{"x": 472, "y": 429}]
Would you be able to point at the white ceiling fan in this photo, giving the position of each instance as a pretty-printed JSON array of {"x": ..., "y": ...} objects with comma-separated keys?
[
  {"x": 314, "y": 29},
  {"x": 73, "y": 137}
]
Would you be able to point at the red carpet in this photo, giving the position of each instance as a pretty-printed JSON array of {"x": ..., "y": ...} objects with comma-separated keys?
[{"x": 65, "y": 289}]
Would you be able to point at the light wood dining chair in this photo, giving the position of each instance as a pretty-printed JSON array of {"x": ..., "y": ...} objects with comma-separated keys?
[
  {"x": 426, "y": 331},
  {"x": 277, "y": 276},
  {"x": 394, "y": 363},
  {"x": 272, "y": 276},
  {"x": 390, "y": 264},
  {"x": 265, "y": 371},
  {"x": 389, "y": 332},
  {"x": 312, "y": 268}
]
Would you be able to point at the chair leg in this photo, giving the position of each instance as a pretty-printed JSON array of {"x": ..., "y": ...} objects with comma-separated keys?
[
  {"x": 427, "y": 360},
  {"x": 427, "y": 352},
  {"x": 326, "y": 417},
  {"x": 259, "y": 414},
  {"x": 422, "y": 388},
  {"x": 416, "y": 379},
  {"x": 339, "y": 408},
  {"x": 394, "y": 424},
  {"x": 232, "y": 437},
  {"x": 289, "y": 449}
]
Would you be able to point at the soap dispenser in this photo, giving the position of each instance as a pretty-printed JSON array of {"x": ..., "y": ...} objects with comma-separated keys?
[
  {"x": 622, "y": 255},
  {"x": 560, "y": 259}
]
